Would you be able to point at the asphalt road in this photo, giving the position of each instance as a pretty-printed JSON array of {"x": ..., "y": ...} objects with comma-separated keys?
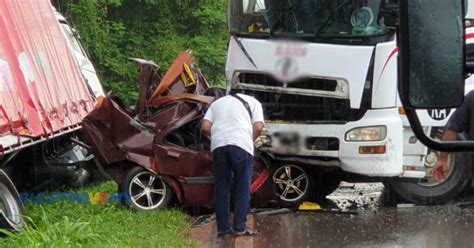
[
  {"x": 448, "y": 226},
  {"x": 365, "y": 222}
]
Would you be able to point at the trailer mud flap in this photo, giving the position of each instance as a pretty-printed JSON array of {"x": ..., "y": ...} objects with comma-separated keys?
[{"x": 11, "y": 207}]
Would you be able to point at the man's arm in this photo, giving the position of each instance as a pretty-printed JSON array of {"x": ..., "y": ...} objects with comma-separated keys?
[
  {"x": 257, "y": 119},
  {"x": 458, "y": 123},
  {"x": 206, "y": 127},
  {"x": 449, "y": 135},
  {"x": 206, "y": 122},
  {"x": 440, "y": 170},
  {"x": 257, "y": 129}
]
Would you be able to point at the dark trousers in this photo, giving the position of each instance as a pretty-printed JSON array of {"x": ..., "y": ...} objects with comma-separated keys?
[{"x": 230, "y": 160}]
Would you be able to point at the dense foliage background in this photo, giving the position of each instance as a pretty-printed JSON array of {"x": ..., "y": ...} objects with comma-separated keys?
[{"x": 114, "y": 30}]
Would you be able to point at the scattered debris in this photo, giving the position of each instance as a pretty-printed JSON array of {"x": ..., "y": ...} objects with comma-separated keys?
[
  {"x": 309, "y": 206},
  {"x": 270, "y": 212},
  {"x": 405, "y": 205},
  {"x": 358, "y": 196}
]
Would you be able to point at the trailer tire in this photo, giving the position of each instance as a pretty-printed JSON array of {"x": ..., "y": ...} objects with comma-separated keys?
[
  {"x": 443, "y": 192},
  {"x": 11, "y": 206}
]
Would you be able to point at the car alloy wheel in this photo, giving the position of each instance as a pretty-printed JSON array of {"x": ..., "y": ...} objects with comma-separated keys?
[
  {"x": 290, "y": 183},
  {"x": 148, "y": 191}
]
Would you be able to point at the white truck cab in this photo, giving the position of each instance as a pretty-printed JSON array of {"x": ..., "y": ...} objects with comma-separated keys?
[
  {"x": 325, "y": 72},
  {"x": 81, "y": 56}
]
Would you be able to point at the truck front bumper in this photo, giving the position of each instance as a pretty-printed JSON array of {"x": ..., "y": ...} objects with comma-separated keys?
[{"x": 326, "y": 144}]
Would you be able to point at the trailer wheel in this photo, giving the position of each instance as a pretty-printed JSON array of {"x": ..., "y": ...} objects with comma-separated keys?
[
  {"x": 429, "y": 192},
  {"x": 11, "y": 207},
  {"x": 146, "y": 190}
]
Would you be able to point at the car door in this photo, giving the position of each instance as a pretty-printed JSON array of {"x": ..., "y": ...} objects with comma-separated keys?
[{"x": 192, "y": 168}]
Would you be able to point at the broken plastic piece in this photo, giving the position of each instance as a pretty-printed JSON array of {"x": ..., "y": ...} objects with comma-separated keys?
[
  {"x": 171, "y": 75},
  {"x": 188, "y": 71},
  {"x": 309, "y": 206}
]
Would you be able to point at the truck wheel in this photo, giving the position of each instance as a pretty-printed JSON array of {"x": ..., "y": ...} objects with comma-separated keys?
[
  {"x": 11, "y": 206},
  {"x": 291, "y": 184},
  {"x": 429, "y": 192},
  {"x": 146, "y": 190}
]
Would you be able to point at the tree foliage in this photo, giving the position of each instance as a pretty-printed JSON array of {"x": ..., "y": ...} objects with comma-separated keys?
[{"x": 113, "y": 31}]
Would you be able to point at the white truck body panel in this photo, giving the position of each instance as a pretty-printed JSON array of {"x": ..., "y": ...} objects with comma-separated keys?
[
  {"x": 385, "y": 76},
  {"x": 347, "y": 64}
]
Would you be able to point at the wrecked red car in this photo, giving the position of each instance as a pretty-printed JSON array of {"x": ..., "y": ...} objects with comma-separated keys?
[{"x": 155, "y": 151}]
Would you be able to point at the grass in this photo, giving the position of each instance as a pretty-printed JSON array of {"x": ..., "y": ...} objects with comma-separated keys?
[{"x": 87, "y": 225}]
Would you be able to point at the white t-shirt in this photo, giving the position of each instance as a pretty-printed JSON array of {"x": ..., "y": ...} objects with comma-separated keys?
[{"x": 231, "y": 124}]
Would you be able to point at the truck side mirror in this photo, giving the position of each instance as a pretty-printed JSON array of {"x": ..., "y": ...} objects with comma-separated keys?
[
  {"x": 431, "y": 42},
  {"x": 432, "y": 61}
]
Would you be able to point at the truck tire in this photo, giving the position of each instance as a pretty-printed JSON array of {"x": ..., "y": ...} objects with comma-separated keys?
[
  {"x": 11, "y": 207},
  {"x": 435, "y": 194}
]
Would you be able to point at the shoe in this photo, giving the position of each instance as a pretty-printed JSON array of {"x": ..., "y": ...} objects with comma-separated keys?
[{"x": 247, "y": 232}]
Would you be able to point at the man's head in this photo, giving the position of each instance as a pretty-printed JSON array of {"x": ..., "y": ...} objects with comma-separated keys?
[{"x": 215, "y": 92}]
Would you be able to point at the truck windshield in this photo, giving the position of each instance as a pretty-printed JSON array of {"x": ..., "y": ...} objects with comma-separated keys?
[{"x": 318, "y": 18}]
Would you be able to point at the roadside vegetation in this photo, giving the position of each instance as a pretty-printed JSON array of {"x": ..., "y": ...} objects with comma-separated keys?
[
  {"x": 115, "y": 30},
  {"x": 108, "y": 225}
]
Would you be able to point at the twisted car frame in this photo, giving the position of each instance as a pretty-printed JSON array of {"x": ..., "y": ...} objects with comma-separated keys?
[{"x": 156, "y": 153}]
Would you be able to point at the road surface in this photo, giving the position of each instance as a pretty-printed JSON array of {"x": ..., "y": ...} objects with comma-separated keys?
[{"x": 368, "y": 224}]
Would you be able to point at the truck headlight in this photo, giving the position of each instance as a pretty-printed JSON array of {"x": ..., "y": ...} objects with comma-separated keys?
[{"x": 375, "y": 133}]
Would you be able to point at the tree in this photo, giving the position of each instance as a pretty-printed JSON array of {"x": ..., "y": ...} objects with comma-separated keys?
[{"x": 114, "y": 30}]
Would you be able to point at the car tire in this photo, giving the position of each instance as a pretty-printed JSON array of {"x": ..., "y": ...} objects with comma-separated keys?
[
  {"x": 11, "y": 206},
  {"x": 443, "y": 192},
  {"x": 292, "y": 184},
  {"x": 145, "y": 190}
]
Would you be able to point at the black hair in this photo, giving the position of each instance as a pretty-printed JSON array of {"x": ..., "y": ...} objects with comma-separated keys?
[{"x": 215, "y": 92}]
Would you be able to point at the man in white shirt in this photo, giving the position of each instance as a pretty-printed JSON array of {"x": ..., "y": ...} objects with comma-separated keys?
[{"x": 233, "y": 122}]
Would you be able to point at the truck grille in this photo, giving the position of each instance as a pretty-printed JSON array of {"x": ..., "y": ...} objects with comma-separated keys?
[
  {"x": 322, "y": 144},
  {"x": 281, "y": 106},
  {"x": 305, "y": 83}
]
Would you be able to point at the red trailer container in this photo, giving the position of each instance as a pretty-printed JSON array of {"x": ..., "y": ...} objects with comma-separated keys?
[
  {"x": 43, "y": 98},
  {"x": 42, "y": 91}
]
